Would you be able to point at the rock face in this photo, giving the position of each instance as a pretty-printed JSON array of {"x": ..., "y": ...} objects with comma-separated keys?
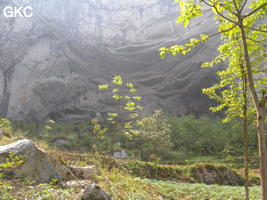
[
  {"x": 51, "y": 63},
  {"x": 211, "y": 174},
  {"x": 38, "y": 166}
]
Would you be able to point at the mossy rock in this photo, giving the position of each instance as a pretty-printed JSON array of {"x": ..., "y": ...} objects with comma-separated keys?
[
  {"x": 215, "y": 174},
  {"x": 153, "y": 171}
]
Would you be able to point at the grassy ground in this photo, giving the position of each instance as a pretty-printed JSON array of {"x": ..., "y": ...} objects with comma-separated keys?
[
  {"x": 122, "y": 180},
  {"x": 125, "y": 187}
]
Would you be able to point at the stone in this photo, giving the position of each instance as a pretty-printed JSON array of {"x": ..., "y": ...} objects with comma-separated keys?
[
  {"x": 57, "y": 68},
  {"x": 38, "y": 165},
  {"x": 120, "y": 154},
  {"x": 213, "y": 174},
  {"x": 93, "y": 192},
  {"x": 75, "y": 183},
  {"x": 87, "y": 172}
]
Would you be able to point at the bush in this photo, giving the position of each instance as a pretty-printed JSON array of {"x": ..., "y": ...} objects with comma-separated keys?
[{"x": 208, "y": 136}]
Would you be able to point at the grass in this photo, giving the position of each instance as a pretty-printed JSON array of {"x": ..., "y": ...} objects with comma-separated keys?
[
  {"x": 122, "y": 186},
  {"x": 19, "y": 189},
  {"x": 125, "y": 181}
]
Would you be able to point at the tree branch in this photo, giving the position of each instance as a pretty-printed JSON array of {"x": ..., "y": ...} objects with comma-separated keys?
[
  {"x": 208, "y": 37},
  {"x": 243, "y": 6},
  {"x": 254, "y": 11},
  {"x": 257, "y": 41},
  {"x": 214, "y": 5},
  {"x": 223, "y": 31},
  {"x": 255, "y": 29},
  {"x": 218, "y": 33},
  {"x": 206, "y": 3},
  {"x": 236, "y": 7},
  {"x": 224, "y": 16}
]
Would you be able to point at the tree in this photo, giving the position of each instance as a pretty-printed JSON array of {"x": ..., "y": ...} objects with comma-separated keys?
[
  {"x": 153, "y": 136},
  {"x": 125, "y": 113},
  {"x": 232, "y": 94},
  {"x": 239, "y": 21}
]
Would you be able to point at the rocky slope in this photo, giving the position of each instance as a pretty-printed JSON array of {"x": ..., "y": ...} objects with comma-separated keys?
[{"x": 52, "y": 62}]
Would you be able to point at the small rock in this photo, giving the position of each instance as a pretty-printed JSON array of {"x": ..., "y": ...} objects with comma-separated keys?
[
  {"x": 120, "y": 155},
  {"x": 75, "y": 183},
  {"x": 93, "y": 192},
  {"x": 87, "y": 172}
]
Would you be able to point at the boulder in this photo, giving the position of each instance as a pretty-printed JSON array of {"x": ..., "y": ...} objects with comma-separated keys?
[
  {"x": 38, "y": 165},
  {"x": 93, "y": 192},
  {"x": 215, "y": 174},
  {"x": 87, "y": 172}
]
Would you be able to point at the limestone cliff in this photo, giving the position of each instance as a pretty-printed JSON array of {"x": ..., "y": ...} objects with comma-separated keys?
[{"x": 51, "y": 63}]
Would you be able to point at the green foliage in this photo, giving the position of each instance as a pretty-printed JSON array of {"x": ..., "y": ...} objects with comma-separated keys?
[
  {"x": 126, "y": 107},
  {"x": 173, "y": 190},
  {"x": 153, "y": 131},
  {"x": 123, "y": 186},
  {"x": 206, "y": 135},
  {"x": 185, "y": 139},
  {"x": 231, "y": 19},
  {"x": 188, "y": 11},
  {"x": 6, "y": 126},
  {"x": 12, "y": 161}
]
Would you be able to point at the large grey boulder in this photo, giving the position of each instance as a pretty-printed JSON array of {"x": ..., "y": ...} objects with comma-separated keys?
[{"x": 38, "y": 166}]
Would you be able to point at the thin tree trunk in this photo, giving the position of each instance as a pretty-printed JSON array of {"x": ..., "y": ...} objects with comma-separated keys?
[
  {"x": 112, "y": 144},
  {"x": 246, "y": 158},
  {"x": 8, "y": 76},
  {"x": 245, "y": 130},
  {"x": 260, "y": 116}
]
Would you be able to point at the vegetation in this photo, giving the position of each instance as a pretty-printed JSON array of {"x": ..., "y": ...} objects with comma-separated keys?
[
  {"x": 125, "y": 179},
  {"x": 125, "y": 114},
  {"x": 243, "y": 47},
  {"x": 192, "y": 139}
]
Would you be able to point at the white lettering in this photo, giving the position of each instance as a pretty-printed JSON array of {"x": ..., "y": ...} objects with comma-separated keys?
[
  {"x": 29, "y": 10},
  {"x": 8, "y": 12},
  {"x": 18, "y": 11}
]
